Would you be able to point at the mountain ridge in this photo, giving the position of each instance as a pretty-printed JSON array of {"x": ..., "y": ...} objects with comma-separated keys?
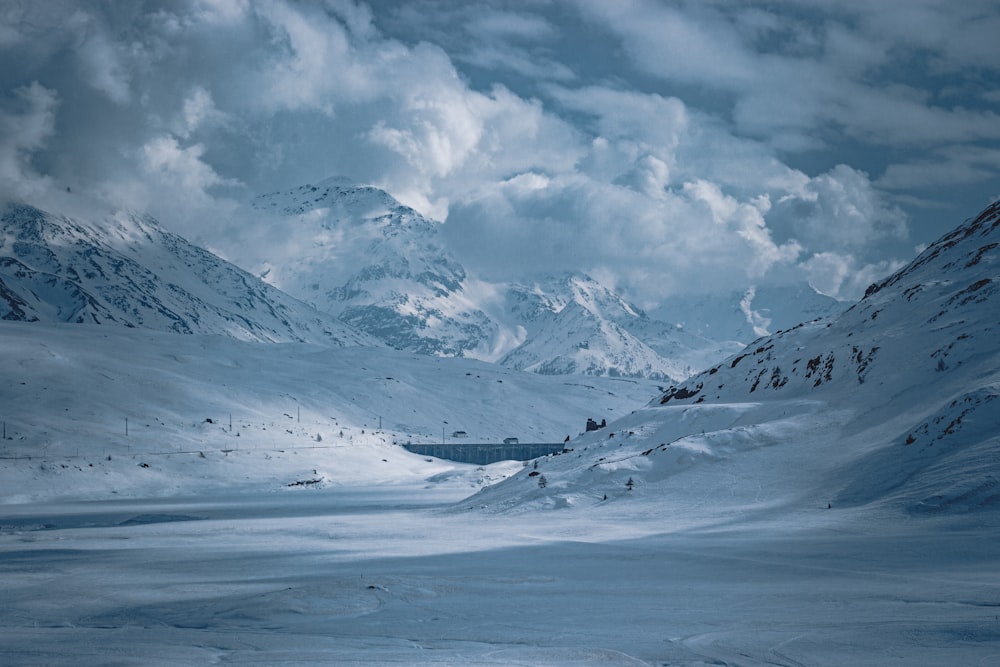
[
  {"x": 383, "y": 268},
  {"x": 357, "y": 268},
  {"x": 125, "y": 269}
]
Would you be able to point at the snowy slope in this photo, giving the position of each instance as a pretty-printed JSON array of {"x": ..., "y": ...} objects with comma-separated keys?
[
  {"x": 891, "y": 404},
  {"x": 75, "y": 395},
  {"x": 125, "y": 269}
]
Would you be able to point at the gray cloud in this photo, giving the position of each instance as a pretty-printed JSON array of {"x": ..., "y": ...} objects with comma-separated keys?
[
  {"x": 797, "y": 71},
  {"x": 27, "y": 121},
  {"x": 647, "y": 142},
  {"x": 956, "y": 165}
]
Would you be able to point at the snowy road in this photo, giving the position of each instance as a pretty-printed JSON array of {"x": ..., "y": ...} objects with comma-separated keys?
[{"x": 346, "y": 576}]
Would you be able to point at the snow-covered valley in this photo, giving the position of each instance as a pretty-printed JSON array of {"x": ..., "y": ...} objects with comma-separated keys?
[
  {"x": 827, "y": 496},
  {"x": 543, "y": 333}
]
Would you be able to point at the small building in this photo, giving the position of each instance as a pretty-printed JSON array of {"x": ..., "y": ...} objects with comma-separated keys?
[
  {"x": 459, "y": 434},
  {"x": 510, "y": 441},
  {"x": 593, "y": 426}
]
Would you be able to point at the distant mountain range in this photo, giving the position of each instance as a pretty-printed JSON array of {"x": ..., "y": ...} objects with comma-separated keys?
[
  {"x": 368, "y": 271},
  {"x": 383, "y": 268}
]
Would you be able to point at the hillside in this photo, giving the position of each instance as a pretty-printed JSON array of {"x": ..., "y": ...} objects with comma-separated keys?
[
  {"x": 891, "y": 404},
  {"x": 126, "y": 270}
]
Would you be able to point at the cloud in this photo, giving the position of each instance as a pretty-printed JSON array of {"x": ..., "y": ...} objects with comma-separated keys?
[
  {"x": 957, "y": 165},
  {"x": 837, "y": 275},
  {"x": 676, "y": 151},
  {"x": 513, "y": 40},
  {"x": 313, "y": 61},
  {"x": 458, "y": 142},
  {"x": 221, "y": 11},
  {"x": 180, "y": 167},
  {"x": 851, "y": 67},
  {"x": 744, "y": 221},
  {"x": 442, "y": 125},
  {"x": 27, "y": 121},
  {"x": 695, "y": 234},
  {"x": 839, "y": 210},
  {"x": 506, "y": 24},
  {"x": 654, "y": 121},
  {"x": 199, "y": 111},
  {"x": 102, "y": 66},
  {"x": 637, "y": 200},
  {"x": 697, "y": 46}
]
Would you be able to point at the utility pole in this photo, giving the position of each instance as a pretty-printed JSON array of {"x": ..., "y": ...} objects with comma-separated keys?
[
  {"x": 126, "y": 426},
  {"x": 298, "y": 414}
]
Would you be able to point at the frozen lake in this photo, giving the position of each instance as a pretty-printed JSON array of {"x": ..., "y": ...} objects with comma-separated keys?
[{"x": 396, "y": 577}]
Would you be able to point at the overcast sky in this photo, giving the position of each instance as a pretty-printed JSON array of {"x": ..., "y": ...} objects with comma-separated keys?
[{"x": 663, "y": 145}]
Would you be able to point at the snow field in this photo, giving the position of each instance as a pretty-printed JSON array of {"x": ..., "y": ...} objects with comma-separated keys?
[{"x": 385, "y": 577}]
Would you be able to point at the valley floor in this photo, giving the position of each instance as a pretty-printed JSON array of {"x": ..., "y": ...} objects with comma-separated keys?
[{"x": 397, "y": 576}]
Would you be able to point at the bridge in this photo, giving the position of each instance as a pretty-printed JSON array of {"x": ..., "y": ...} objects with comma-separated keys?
[{"x": 483, "y": 453}]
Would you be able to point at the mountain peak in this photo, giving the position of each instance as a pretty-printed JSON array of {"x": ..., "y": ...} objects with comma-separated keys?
[{"x": 345, "y": 197}]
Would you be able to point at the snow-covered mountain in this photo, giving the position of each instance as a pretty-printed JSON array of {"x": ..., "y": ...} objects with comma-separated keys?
[
  {"x": 383, "y": 268},
  {"x": 367, "y": 265},
  {"x": 379, "y": 266},
  {"x": 574, "y": 324},
  {"x": 125, "y": 269},
  {"x": 892, "y": 404}
]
